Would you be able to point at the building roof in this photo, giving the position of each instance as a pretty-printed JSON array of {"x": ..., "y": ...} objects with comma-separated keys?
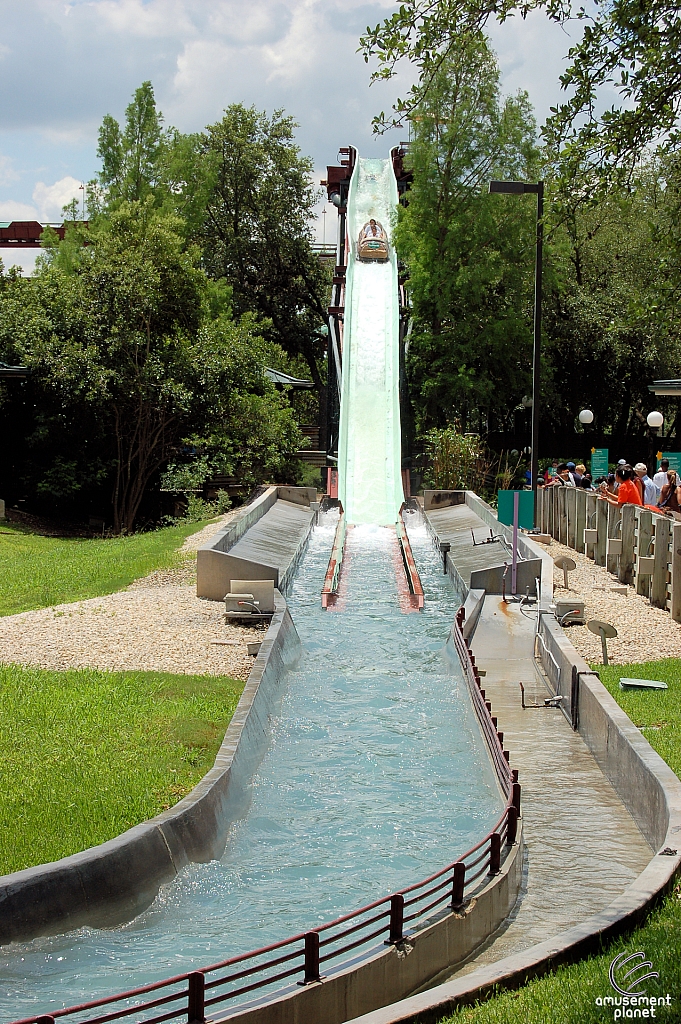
[
  {"x": 665, "y": 387},
  {"x": 279, "y": 377}
]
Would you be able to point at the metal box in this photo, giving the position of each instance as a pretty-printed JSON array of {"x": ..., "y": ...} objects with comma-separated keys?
[{"x": 569, "y": 611}]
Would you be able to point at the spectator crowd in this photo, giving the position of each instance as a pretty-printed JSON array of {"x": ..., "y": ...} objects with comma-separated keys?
[{"x": 627, "y": 485}]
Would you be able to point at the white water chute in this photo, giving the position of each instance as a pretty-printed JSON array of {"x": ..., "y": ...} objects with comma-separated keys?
[{"x": 370, "y": 446}]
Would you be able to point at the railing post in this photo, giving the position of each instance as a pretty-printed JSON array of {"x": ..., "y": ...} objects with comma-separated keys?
[
  {"x": 516, "y": 796},
  {"x": 511, "y": 825},
  {"x": 495, "y": 854},
  {"x": 458, "y": 884},
  {"x": 396, "y": 919},
  {"x": 311, "y": 958},
  {"x": 195, "y": 1005},
  {"x": 47, "y": 1019},
  {"x": 658, "y": 584}
]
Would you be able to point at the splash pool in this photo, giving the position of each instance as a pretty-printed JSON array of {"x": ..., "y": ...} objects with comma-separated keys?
[{"x": 376, "y": 775}]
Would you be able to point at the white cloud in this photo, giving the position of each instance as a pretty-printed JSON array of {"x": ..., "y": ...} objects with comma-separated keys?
[
  {"x": 51, "y": 199},
  {"x": 7, "y": 172},
  {"x": 11, "y": 210}
]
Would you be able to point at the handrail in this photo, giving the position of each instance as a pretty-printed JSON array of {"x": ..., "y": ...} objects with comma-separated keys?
[
  {"x": 332, "y": 578},
  {"x": 463, "y": 878},
  {"x": 413, "y": 579}
]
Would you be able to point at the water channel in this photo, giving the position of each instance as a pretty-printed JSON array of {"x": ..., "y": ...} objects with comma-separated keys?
[{"x": 376, "y": 775}]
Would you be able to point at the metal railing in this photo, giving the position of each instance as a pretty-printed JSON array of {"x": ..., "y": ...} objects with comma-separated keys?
[{"x": 304, "y": 956}]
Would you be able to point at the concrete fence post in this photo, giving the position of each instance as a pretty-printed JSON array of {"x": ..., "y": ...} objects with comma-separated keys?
[
  {"x": 550, "y": 517},
  {"x": 602, "y": 526},
  {"x": 571, "y": 510},
  {"x": 676, "y": 572},
  {"x": 658, "y": 585},
  {"x": 580, "y": 519},
  {"x": 591, "y": 501},
  {"x": 562, "y": 514},
  {"x": 628, "y": 531},
  {"x": 643, "y": 546},
  {"x": 614, "y": 519}
]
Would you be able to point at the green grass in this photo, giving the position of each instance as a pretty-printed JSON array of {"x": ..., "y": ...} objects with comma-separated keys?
[
  {"x": 567, "y": 996},
  {"x": 85, "y": 754},
  {"x": 37, "y": 572}
]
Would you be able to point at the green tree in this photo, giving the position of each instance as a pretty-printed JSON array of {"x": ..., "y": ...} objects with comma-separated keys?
[
  {"x": 256, "y": 235},
  {"x": 127, "y": 366},
  {"x": 627, "y": 46},
  {"x": 469, "y": 256}
]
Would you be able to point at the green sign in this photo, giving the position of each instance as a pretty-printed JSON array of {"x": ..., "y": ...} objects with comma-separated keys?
[
  {"x": 674, "y": 460},
  {"x": 599, "y": 462},
  {"x": 525, "y": 508}
]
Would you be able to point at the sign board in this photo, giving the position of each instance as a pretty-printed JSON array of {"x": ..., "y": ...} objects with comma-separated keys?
[
  {"x": 599, "y": 462},
  {"x": 674, "y": 460},
  {"x": 525, "y": 508}
]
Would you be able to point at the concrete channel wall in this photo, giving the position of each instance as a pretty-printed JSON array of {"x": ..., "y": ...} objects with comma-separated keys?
[
  {"x": 112, "y": 883},
  {"x": 283, "y": 546}
]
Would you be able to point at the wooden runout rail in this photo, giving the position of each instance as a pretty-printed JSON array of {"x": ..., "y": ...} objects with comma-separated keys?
[
  {"x": 332, "y": 578},
  {"x": 639, "y": 546},
  {"x": 410, "y": 570}
]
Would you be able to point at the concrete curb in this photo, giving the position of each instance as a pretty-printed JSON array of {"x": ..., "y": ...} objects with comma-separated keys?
[{"x": 112, "y": 883}]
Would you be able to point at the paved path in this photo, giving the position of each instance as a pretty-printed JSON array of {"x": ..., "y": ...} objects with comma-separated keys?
[{"x": 582, "y": 846}]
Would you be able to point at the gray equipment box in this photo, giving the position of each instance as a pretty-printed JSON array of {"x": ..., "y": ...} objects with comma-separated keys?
[{"x": 569, "y": 611}]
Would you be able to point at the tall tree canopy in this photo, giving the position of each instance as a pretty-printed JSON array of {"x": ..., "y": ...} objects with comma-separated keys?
[
  {"x": 256, "y": 235},
  {"x": 469, "y": 254},
  {"x": 625, "y": 45}
]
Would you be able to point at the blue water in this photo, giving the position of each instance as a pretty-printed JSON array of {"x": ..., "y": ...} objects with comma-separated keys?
[{"x": 376, "y": 776}]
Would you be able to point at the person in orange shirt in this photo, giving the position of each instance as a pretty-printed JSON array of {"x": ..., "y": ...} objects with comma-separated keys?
[{"x": 628, "y": 492}]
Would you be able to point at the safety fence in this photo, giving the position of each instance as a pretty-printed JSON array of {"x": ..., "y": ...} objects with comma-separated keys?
[
  {"x": 303, "y": 958},
  {"x": 639, "y": 546}
]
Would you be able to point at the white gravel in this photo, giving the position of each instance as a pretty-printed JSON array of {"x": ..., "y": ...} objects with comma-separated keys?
[
  {"x": 644, "y": 633},
  {"x": 156, "y": 624}
]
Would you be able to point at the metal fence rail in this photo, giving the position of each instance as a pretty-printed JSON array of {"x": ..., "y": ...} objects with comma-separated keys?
[{"x": 188, "y": 996}]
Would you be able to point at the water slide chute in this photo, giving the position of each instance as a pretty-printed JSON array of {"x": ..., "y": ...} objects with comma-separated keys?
[{"x": 369, "y": 448}]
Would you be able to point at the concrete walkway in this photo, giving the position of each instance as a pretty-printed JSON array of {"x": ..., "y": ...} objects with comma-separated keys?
[
  {"x": 276, "y": 539},
  {"x": 454, "y": 524},
  {"x": 583, "y": 847}
]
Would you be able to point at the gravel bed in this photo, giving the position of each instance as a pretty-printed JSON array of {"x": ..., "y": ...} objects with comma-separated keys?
[
  {"x": 644, "y": 633},
  {"x": 156, "y": 624}
]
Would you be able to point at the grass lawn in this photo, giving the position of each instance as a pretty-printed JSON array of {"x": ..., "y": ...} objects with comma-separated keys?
[
  {"x": 568, "y": 995},
  {"x": 37, "y": 572},
  {"x": 85, "y": 754}
]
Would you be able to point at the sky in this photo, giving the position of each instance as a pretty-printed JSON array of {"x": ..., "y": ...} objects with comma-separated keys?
[{"x": 64, "y": 64}]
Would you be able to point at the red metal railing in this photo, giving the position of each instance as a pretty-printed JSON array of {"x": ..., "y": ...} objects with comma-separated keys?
[{"x": 302, "y": 956}]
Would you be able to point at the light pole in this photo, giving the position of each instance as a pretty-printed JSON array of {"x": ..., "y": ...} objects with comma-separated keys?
[{"x": 537, "y": 188}]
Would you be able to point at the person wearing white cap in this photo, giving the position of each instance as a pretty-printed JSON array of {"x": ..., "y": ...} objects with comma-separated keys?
[
  {"x": 621, "y": 462},
  {"x": 649, "y": 488}
]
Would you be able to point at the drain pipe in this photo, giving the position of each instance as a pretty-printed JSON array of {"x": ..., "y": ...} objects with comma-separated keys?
[
  {"x": 503, "y": 583},
  {"x": 445, "y": 546}
]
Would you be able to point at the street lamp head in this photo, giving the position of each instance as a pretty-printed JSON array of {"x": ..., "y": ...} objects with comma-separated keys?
[
  {"x": 336, "y": 199},
  {"x": 586, "y": 416},
  {"x": 655, "y": 419}
]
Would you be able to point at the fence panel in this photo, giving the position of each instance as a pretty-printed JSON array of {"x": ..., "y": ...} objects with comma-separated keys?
[
  {"x": 627, "y": 558},
  {"x": 675, "y": 608},
  {"x": 644, "y": 537},
  {"x": 580, "y": 519},
  {"x": 571, "y": 508},
  {"x": 614, "y": 526},
  {"x": 591, "y": 502},
  {"x": 561, "y": 495},
  {"x": 602, "y": 527},
  {"x": 658, "y": 584}
]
